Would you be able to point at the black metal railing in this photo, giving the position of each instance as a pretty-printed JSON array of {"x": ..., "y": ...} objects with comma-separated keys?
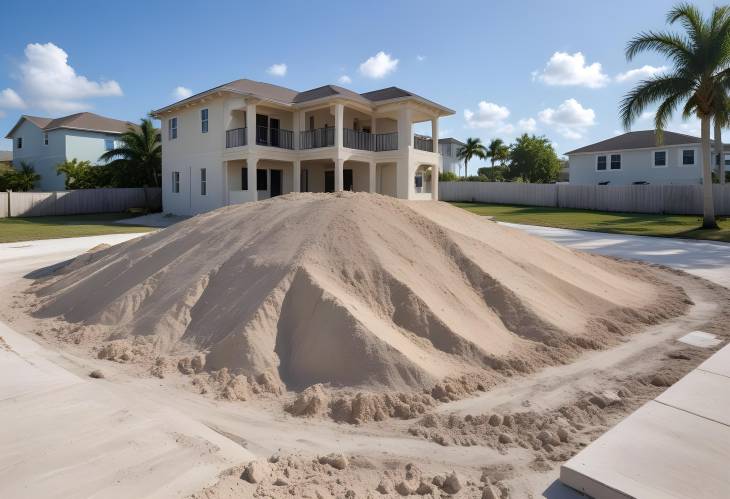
[
  {"x": 236, "y": 137},
  {"x": 355, "y": 139},
  {"x": 320, "y": 137},
  {"x": 386, "y": 141},
  {"x": 423, "y": 143},
  {"x": 274, "y": 137}
]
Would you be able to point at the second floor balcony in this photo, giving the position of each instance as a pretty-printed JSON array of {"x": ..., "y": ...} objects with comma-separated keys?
[
  {"x": 423, "y": 143},
  {"x": 274, "y": 137},
  {"x": 364, "y": 141}
]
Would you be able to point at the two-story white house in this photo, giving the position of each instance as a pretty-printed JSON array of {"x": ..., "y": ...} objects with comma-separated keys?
[
  {"x": 248, "y": 140},
  {"x": 45, "y": 142},
  {"x": 637, "y": 157}
]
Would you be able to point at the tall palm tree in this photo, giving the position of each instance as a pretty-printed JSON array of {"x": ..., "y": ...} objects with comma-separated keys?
[
  {"x": 721, "y": 120},
  {"x": 701, "y": 59},
  {"x": 25, "y": 178},
  {"x": 140, "y": 154},
  {"x": 472, "y": 148},
  {"x": 497, "y": 151}
]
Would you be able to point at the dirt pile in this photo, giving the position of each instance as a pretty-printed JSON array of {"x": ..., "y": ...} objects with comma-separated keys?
[{"x": 350, "y": 290}]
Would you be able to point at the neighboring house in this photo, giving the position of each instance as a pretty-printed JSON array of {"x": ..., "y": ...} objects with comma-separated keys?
[
  {"x": 449, "y": 149},
  {"x": 564, "y": 175},
  {"x": 45, "y": 142},
  {"x": 247, "y": 140},
  {"x": 636, "y": 157}
]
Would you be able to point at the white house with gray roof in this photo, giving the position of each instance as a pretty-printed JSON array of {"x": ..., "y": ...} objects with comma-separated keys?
[
  {"x": 45, "y": 142},
  {"x": 637, "y": 157},
  {"x": 247, "y": 140}
]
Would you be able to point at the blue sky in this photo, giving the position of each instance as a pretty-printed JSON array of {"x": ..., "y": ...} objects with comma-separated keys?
[{"x": 553, "y": 68}]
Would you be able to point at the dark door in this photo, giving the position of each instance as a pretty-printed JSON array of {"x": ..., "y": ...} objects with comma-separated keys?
[
  {"x": 275, "y": 183},
  {"x": 262, "y": 129},
  {"x": 274, "y": 131},
  {"x": 347, "y": 180},
  {"x": 329, "y": 181}
]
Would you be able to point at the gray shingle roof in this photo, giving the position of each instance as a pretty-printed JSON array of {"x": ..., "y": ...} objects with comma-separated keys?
[
  {"x": 638, "y": 140},
  {"x": 79, "y": 121}
]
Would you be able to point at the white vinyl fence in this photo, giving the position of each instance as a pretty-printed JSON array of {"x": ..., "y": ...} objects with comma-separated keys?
[
  {"x": 39, "y": 204},
  {"x": 670, "y": 199}
]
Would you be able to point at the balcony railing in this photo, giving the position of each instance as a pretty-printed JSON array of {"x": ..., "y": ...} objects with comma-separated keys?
[
  {"x": 274, "y": 137},
  {"x": 320, "y": 137},
  {"x": 236, "y": 137},
  {"x": 386, "y": 141},
  {"x": 423, "y": 143},
  {"x": 355, "y": 139}
]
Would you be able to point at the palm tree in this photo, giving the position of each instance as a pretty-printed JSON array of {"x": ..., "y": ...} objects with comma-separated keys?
[
  {"x": 472, "y": 148},
  {"x": 722, "y": 119},
  {"x": 701, "y": 59},
  {"x": 497, "y": 151},
  {"x": 25, "y": 178},
  {"x": 140, "y": 154}
]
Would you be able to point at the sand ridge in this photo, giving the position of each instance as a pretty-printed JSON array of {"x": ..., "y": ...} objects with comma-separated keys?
[{"x": 353, "y": 290}]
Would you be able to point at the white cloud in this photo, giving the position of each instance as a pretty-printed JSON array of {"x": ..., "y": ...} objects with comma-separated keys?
[
  {"x": 640, "y": 73},
  {"x": 180, "y": 93},
  {"x": 528, "y": 125},
  {"x": 566, "y": 69},
  {"x": 48, "y": 82},
  {"x": 344, "y": 79},
  {"x": 647, "y": 115},
  {"x": 420, "y": 58},
  {"x": 488, "y": 115},
  {"x": 10, "y": 98},
  {"x": 277, "y": 70},
  {"x": 379, "y": 65},
  {"x": 570, "y": 119}
]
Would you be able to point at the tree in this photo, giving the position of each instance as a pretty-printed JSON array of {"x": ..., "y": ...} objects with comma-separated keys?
[
  {"x": 701, "y": 58},
  {"x": 497, "y": 151},
  {"x": 19, "y": 180},
  {"x": 721, "y": 119},
  {"x": 138, "y": 161},
  {"x": 472, "y": 148},
  {"x": 533, "y": 159},
  {"x": 83, "y": 175}
]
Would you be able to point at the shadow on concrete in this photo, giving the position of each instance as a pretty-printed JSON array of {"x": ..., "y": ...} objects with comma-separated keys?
[{"x": 559, "y": 491}]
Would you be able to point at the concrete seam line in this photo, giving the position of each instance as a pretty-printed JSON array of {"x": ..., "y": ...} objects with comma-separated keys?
[{"x": 693, "y": 413}]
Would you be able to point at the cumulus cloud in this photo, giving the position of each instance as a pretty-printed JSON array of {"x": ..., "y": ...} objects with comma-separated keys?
[
  {"x": 488, "y": 115},
  {"x": 48, "y": 82},
  {"x": 9, "y": 98},
  {"x": 344, "y": 79},
  {"x": 181, "y": 92},
  {"x": 379, "y": 65},
  {"x": 528, "y": 125},
  {"x": 570, "y": 119},
  {"x": 420, "y": 58},
  {"x": 641, "y": 73},
  {"x": 571, "y": 69},
  {"x": 277, "y": 69}
]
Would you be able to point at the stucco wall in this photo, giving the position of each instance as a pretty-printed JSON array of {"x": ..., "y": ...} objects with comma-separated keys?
[{"x": 43, "y": 158}]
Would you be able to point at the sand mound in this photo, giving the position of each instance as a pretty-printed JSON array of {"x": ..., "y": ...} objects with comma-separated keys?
[{"x": 354, "y": 290}]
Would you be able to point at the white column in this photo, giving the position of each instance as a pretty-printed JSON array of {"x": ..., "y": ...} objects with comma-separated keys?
[
  {"x": 226, "y": 189},
  {"x": 250, "y": 124},
  {"x": 405, "y": 130},
  {"x": 371, "y": 176},
  {"x": 373, "y": 124},
  {"x": 435, "y": 134},
  {"x": 295, "y": 129},
  {"x": 251, "y": 163},
  {"x": 297, "y": 176},
  {"x": 339, "y": 120},
  {"x": 339, "y": 174},
  {"x": 435, "y": 182}
]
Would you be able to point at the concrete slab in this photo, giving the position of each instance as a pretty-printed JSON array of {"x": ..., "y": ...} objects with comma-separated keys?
[
  {"x": 657, "y": 452},
  {"x": 700, "y": 339},
  {"x": 703, "y": 394},
  {"x": 719, "y": 363}
]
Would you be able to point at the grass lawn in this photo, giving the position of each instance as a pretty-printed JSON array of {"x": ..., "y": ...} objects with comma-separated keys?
[
  {"x": 26, "y": 229},
  {"x": 636, "y": 224}
]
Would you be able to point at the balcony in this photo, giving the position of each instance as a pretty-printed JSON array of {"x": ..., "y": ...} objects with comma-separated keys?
[
  {"x": 274, "y": 137},
  {"x": 365, "y": 141},
  {"x": 423, "y": 143},
  {"x": 236, "y": 137},
  {"x": 320, "y": 137}
]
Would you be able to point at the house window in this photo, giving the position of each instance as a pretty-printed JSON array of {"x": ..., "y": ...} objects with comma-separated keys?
[
  {"x": 688, "y": 157},
  {"x": 203, "y": 182},
  {"x": 615, "y": 161},
  {"x": 304, "y": 180},
  {"x": 175, "y": 182},
  {"x": 204, "y": 121},
  {"x": 660, "y": 158},
  {"x": 45, "y": 138},
  {"x": 244, "y": 179},
  {"x": 172, "y": 128},
  {"x": 19, "y": 143},
  {"x": 601, "y": 163},
  {"x": 262, "y": 183},
  {"x": 108, "y": 144},
  {"x": 311, "y": 122},
  {"x": 419, "y": 181}
]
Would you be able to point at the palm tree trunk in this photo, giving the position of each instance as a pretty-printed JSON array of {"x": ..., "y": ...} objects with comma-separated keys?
[
  {"x": 719, "y": 153},
  {"x": 708, "y": 208},
  {"x": 466, "y": 168}
]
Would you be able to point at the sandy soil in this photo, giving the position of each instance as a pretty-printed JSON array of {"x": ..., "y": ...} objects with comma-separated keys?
[{"x": 501, "y": 434}]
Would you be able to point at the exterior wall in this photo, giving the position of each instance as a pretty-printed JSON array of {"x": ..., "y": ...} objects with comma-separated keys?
[
  {"x": 637, "y": 166},
  {"x": 449, "y": 162}
]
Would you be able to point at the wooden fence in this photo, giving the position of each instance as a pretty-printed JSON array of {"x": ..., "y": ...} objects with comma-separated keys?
[
  {"x": 670, "y": 199},
  {"x": 39, "y": 204}
]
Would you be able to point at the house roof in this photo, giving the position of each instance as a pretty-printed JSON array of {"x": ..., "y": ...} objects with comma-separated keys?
[
  {"x": 642, "y": 139},
  {"x": 288, "y": 96},
  {"x": 80, "y": 121},
  {"x": 451, "y": 140}
]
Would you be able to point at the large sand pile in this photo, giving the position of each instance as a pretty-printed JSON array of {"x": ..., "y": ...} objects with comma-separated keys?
[{"x": 354, "y": 290}]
